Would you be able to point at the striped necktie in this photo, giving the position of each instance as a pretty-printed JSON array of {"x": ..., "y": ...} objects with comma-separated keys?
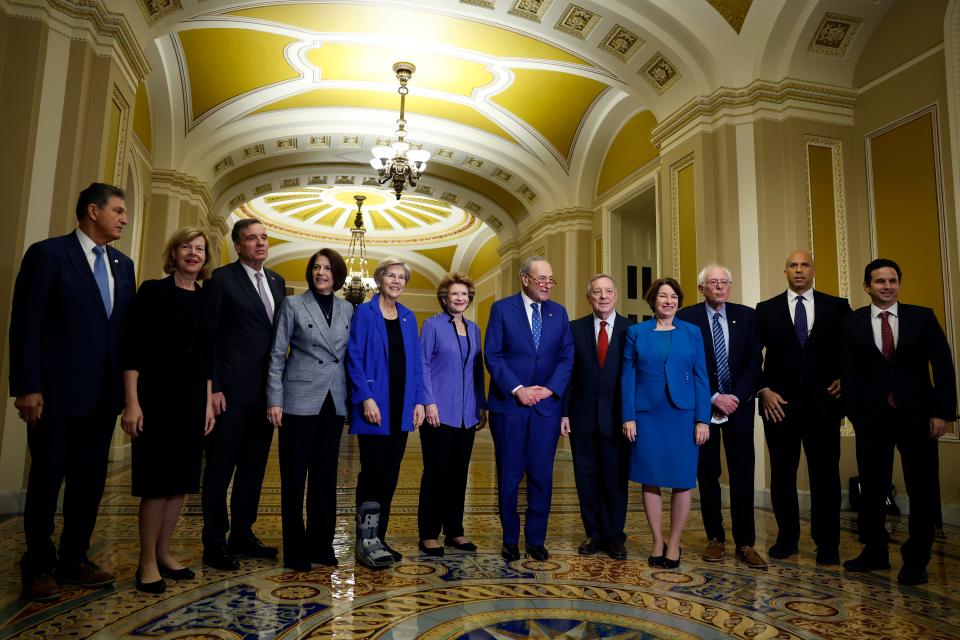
[{"x": 720, "y": 349}]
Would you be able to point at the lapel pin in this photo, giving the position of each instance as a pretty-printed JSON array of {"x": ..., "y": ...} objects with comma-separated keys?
[{"x": 733, "y": 322}]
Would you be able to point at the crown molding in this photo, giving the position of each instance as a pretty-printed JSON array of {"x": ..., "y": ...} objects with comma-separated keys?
[
  {"x": 759, "y": 100},
  {"x": 179, "y": 184},
  {"x": 559, "y": 221}
]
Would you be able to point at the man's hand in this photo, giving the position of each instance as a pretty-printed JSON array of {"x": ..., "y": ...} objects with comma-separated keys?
[
  {"x": 371, "y": 412},
  {"x": 542, "y": 393},
  {"x": 938, "y": 427},
  {"x": 565, "y": 426},
  {"x": 726, "y": 403},
  {"x": 834, "y": 388},
  {"x": 418, "y": 416},
  {"x": 30, "y": 407},
  {"x": 772, "y": 403},
  {"x": 210, "y": 420},
  {"x": 527, "y": 396},
  {"x": 219, "y": 402},
  {"x": 132, "y": 420},
  {"x": 275, "y": 416},
  {"x": 484, "y": 416},
  {"x": 433, "y": 415}
]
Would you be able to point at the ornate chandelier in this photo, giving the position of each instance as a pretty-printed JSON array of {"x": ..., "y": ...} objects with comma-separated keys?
[
  {"x": 359, "y": 283},
  {"x": 398, "y": 163}
]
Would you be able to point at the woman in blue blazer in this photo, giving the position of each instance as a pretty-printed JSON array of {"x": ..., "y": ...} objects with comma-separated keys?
[
  {"x": 666, "y": 412},
  {"x": 455, "y": 411},
  {"x": 386, "y": 383}
]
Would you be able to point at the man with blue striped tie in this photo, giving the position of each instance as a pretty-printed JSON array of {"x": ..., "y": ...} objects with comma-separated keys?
[{"x": 731, "y": 336}]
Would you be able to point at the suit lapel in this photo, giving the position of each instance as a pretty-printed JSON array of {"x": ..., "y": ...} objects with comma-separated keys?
[
  {"x": 253, "y": 296},
  {"x": 79, "y": 262},
  {"x": 316, "y": 315},
  {"x": 521, "y": 314},
  {"x": 119, "y": 277},
  {"x": 784, "y": 322}
]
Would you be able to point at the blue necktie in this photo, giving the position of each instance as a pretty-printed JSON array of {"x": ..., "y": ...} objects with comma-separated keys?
[
  {"x": 100, "y": 275},
  {"x": 800, "y": 321},
  {"x": 536, "y": 325},
  {"x": 720, "y": 349}
]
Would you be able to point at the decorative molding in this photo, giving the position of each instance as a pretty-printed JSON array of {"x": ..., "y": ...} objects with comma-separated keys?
[
  {"x": 253, "y": 150},
  {"x": 486, "y": 4},
  {"x": 223, "y": 164},
  {"x": 839, "y": 207},
  {"x": 319, "y": 141},
  {"x": 182, "y": 184},
  {"x": 473, "y": 163},
  {"x": 500, "y": 174},
  {"x": 154, "y": 10},
  {"x": 834, "y": 34},
  {"x": 761, "y": 99},
  {"x": 577, "y": 21},
  {"x": 530, "y": 9},
  {"x": 621, "y": 43},
  {"x": 559, "y": 221},
  {"x": 289, "y": 183},
  {"x": 285, "y": 144},
  {"x": 676, "y": 168},
  {"x": 527, "y": 193},
  {"x": 660, "y": 73},
  {"x": 119, "y": 161},
  {"x": 735, "y": 13},
  {"x": 261, "y": 189}
]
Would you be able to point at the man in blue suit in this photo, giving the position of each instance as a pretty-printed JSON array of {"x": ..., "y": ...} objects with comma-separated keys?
[
  {"x": 529, "y": 353},
  {"x": 69, "y": 309}
]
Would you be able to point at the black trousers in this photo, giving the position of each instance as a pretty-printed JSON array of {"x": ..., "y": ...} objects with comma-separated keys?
[
  {"x": 73, "y": 450},
  {"x": 738, "y": 446},
  {"x": 240, "y": 442},
  {"x": 820, "y": 438},
  {"x": 600, "y": 465},
  {"x": 443, "y": 485},
  {"x": 309, "y": 451},
  {"x": 380, "y": 458},
  {"x": 918, "y": 455}
]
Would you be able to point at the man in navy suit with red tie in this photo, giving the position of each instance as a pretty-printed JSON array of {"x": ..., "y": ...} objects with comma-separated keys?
[
  {"x": 889, "y": 351},
  {"x": 529, "y": 353},
  {"x": 69, "y": 309}
]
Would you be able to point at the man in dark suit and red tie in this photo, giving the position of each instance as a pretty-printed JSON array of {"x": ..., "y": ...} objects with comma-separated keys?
[
  {"x": 244, "y": 297},
  {"x": 69, "y": 309},
  {"x": 528, "y": 349},
  {"x": 592, "y": 420},
  {"x": 732, "y": 344},
  {"x": 890, "y": 350},
  {"x": 800, "y": 403}
]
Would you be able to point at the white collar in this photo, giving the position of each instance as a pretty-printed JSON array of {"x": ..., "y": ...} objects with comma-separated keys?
[
  {"x": 875, "y": 311},
  {"x": 86, "y": 242},
  {"x": 806, "y": 295},
  {"x": 527, "y": 300},
  {"x": 251, "y": 272}
]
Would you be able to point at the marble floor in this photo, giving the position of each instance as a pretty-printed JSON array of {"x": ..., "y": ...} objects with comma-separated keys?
[{"x": 479, "y": 596}]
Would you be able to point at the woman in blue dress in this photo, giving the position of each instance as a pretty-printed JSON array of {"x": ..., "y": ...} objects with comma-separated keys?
[{"x": 666, "y": 411}]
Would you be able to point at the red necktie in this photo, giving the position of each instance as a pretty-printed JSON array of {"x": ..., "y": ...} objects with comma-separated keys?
[
  {"x": 886, "y": 344},
  {"x": 602, "y": 343}
]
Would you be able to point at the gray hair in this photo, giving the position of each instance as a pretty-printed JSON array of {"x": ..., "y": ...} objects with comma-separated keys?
[
  {"x": 385, "y": 264},
  {"x": 702, "y": 276},
  {"x": 525, "y": 266},
  {"x": 596, "y": 277}
]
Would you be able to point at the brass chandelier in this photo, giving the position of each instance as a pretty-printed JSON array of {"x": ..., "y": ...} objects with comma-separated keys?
[
  {"x": 359, "y": 283},
  {"x": 397, "y": 163}
]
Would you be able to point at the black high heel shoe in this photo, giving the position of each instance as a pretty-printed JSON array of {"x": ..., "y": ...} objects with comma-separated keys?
[
  {"x": 657, "y": 561},
  {"x": 183, "y": 573},
  {"x": 436, "y": 552},
  {"x": 672, "y": 564},
  {"x": 157, "y": 587}
]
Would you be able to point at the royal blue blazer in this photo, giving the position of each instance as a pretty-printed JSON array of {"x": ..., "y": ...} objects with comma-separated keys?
[
  {"x": 642, "y": 386},
  {"x": 369, "y": 368},
  {"x": 512, "y": 359}
]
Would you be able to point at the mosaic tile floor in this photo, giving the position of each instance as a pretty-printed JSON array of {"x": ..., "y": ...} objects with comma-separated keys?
[{"x": 479, "y": 596}]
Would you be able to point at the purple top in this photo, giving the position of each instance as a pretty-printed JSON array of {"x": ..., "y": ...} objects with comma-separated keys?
[{"x": 452, "y": 370}]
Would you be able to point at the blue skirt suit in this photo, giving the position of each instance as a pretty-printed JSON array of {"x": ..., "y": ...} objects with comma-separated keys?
[{"x": 666, "y": 390}]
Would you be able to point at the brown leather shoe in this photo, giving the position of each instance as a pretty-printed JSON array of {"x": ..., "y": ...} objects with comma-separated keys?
[
  {"x": 714, "y": 551},
  {"x": 86, "y": 574},
  {"x": 40, "y": 587},
  {"x": 750, "y": 557}
]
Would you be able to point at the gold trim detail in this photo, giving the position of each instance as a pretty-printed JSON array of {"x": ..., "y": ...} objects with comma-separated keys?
[
  {"x": 120, "y": 160},
  {"x": 154, "y": 10},
  {"x": 183, "y": 183},
  {"x": 676, "y": 168},
  {"x": 839, "y": 207}
]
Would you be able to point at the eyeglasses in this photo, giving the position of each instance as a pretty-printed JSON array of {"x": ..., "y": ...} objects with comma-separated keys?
[
  {"x": 542, "y": 280},
  {"x": 718, "y": 283}
]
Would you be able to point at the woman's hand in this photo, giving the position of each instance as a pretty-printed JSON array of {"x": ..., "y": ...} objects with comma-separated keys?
[
  {"x": 418, "y": 416},
  {"x": 210, "y": 419},
  {"x": 132, "y": 420},
  {"x": 701, "y": 433},
  {"x": 275, "y": 416},
  {"x": 371, "y": 412},
  {"x": 433, "y": 415},
  {"x": 630, "y": 430}
]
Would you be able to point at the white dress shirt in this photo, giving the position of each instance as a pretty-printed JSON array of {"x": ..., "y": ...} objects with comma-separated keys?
[
  {"x": 722, "y": 312},
  {"x": 87, "y": 244},
  {"x": 894, "y": 321},
  {"x": 527, "y": 301},
  {"x": 807, "y": 306},
  {"x": 252, "y": 274},
  {"x": 609, "y": 329}
]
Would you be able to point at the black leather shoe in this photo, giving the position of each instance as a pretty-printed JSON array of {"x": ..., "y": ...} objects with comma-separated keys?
[
  {"x": 397, "y": 556},
  {"x": 436, "y": 552},
  {"x": 251, "y": 546},
  {"x": 538, "y": 552},
  {"x": 616, "y": 551},
  {"x": 510, "y": 552},
  {"x": 828, "y": 557},
  {"x": 782, "y": 551},
  {"x": 158, "y": 586},
  {"x": 672, "y": 564},
  {"x": 298, "y": 565},
  {"x": 912, "y": 574},
  {"x": 868, "y": 561},
  {"x": 183, "y": 573},
  {"x": 460, "y": 546},
  {"x": 588, "y": 547},
  {"x": 326, "y": 557},
  {"x": 220, "y": 558}
]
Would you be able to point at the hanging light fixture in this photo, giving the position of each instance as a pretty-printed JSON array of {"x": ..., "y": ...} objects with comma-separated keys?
[
  {"x": 398, "y": 163},
  {"x": 359, "y": 283}
]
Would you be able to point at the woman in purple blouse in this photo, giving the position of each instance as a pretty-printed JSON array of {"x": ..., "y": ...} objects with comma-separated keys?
[{"x": 455, "y": 411}]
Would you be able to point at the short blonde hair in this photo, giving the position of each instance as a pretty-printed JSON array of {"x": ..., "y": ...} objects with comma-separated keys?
[
  {"x": 385, "y": 264},
  {"x": 452, "y": 278},
  {"x": 183, "y": 236}
]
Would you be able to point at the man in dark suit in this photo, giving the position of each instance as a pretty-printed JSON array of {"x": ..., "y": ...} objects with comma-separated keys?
[
  {"x": 244, "y": 296},
  {"x": 732, "y": 345},
  {"x": 889, "y": 352},
  {"x": 601, "y": 454},
  {"x": 69, "y": 309},
  {"x": 529, "y": 353},
  {"x": 800, "y": 399}
]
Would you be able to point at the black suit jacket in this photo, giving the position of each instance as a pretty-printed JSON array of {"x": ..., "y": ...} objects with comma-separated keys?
[
  {"x": 744, "y": 354},
  {"x": 592, "y": 400},
  {"x": 802, "y": 374},
  {"x": 61, "y": 342},
  {"x": 921, "y": 347},
  {"x": 242, "y": 332}
]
